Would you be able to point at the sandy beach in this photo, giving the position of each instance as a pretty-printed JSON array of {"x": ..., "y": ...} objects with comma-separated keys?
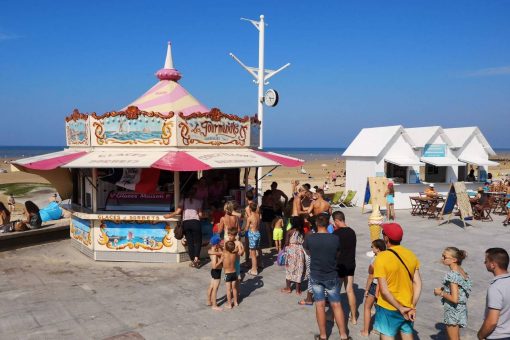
[{"x": 317, "y": 173}]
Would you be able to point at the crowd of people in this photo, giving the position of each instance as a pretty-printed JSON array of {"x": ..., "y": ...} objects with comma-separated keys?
[{"x": 318, "y": 249}]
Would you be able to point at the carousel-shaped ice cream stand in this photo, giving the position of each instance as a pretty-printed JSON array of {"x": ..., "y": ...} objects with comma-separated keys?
[{"x": 124, "y": 170}]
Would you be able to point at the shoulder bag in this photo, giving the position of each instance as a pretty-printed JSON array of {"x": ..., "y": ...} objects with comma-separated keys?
[{"x": 408, "y": 272}]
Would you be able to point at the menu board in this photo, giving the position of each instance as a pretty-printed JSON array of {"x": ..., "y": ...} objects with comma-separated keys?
[
  {"x": 463, "y": 200},
  {"x": 458, "y": 195}
]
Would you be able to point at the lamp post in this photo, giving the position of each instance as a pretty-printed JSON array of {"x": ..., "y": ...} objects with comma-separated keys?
[{"x": 261, "y": 76}]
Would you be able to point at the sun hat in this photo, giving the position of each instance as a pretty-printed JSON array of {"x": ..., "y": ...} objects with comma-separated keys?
[
  {"x": 393, "y": 231},
  {"x": 431, "y": 185},
  {"x": 215, "y": 240}
]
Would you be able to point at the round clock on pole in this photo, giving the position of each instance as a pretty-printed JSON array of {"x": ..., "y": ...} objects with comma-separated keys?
[{"x": 271, "y": 98}]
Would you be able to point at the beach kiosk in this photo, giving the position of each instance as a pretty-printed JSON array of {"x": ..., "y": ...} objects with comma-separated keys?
[
  {"x": 124, "y": 170},
  {"x": 413, "y": 158}
]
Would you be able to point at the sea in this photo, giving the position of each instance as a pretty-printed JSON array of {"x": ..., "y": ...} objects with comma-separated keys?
[{"x": 15, "y": 152}]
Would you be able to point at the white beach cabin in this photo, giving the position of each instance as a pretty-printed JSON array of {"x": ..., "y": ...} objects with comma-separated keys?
[{"x": 412, "y": 158}]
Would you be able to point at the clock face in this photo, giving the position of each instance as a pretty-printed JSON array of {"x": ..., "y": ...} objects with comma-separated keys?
[{"x": 271, "y": 97}]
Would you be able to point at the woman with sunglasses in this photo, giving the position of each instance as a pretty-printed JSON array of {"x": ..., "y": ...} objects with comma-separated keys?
[{"x": 455, "y": 292}]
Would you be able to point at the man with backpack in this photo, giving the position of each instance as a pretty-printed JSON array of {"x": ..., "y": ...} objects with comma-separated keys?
[{"x": 399, "y": 281}]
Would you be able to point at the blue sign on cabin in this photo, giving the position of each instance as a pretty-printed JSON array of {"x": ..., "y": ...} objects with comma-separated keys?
[{"x": 434, "y": 150}]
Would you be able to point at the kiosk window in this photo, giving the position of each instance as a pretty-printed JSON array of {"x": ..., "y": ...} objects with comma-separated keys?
[
  {"x": 435, "y": 174},
  {"x": 398, "y": 173},
  {"x": 462, "y": 173}
]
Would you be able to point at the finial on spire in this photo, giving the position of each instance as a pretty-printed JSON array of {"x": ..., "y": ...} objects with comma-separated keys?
[{"x": 168, "y": 72}]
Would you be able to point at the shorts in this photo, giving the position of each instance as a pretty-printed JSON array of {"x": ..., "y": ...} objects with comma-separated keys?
[
  {"x": 322, "y": 287},
  {"x": 254, "y": 239},
  {"x": 216, "y": 274},
  {"x": 390, "y": 199},
  {"x": 230, "y": 277},
  {"x": 391, "y": 322},
  {"x": 277, "y": 234},
  {"x": 345, "y": 270},
  {"x": 372, "y": 289}
]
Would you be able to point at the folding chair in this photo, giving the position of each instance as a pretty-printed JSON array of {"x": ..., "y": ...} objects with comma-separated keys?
[
  {"x": 337, "y": 198},
  {"x": 415, "y": 207},
  {"x": 486, "y": 211}
]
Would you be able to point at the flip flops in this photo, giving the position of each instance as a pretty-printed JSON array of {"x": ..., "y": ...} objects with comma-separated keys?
[{"x": 305, "y": 303}]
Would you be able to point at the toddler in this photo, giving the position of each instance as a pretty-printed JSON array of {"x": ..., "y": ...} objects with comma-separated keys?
[{"x": 277, "y": 227}]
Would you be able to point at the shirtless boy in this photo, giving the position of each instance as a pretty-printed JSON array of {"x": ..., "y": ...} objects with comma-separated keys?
[
  {"x": 239, "y": 250},
  {"x": 215, "y": 254},
  {"x": 318, "y": 207},
  {"x": 253, "y": 226},
  {"x": 229, "y": 259}
]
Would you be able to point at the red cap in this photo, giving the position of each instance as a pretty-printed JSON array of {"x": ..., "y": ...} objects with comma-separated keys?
[
  {"x": 393, "y": 231},
  {"x": 390, "y": 184}
]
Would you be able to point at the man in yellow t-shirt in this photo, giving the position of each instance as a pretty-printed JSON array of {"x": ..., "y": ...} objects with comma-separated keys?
[{"x": 398, "y": 276}]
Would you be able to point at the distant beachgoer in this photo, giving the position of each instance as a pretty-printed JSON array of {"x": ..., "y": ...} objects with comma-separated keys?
[
  {"x": 455, "y": 292},
  {"x": 325, "y": 187},
  {"x": 333, "y": 177},
  {"x": 12, "y": 203}
]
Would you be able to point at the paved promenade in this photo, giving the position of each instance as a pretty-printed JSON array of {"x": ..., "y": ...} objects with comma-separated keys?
[{"x": 52, "y": 291}]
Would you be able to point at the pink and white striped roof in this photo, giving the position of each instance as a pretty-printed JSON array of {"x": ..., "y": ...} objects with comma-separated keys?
[{"x": 167, "y": 95}]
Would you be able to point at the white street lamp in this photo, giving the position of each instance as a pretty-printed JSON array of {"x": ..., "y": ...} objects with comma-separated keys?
[{"x": 261, "y": 76}]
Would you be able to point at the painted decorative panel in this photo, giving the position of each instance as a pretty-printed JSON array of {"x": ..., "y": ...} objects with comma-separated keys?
[
  {"x": 133, "y": 127},
  {"x": 77, "y": 129},
  {"x": 213, "y": 128},
  {"x": 81, "y": 231},
  {"x": 138, "y": 236}
]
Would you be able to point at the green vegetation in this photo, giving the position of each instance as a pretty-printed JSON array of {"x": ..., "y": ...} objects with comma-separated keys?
[{"x": 20, "y": 189}]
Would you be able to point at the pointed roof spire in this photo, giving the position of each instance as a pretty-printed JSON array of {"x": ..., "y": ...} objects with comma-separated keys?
[
  {"x": 169, "y": 62},
  {"x": 168, "y": 72}
]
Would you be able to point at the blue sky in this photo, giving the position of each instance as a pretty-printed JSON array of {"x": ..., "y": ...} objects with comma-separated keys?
[{"x": 355, "y": 64}]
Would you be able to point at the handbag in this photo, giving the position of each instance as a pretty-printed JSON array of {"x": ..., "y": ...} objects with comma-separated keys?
[
  {"x": 179, "y": 231},
  {"x": 281, "y": 257}
]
